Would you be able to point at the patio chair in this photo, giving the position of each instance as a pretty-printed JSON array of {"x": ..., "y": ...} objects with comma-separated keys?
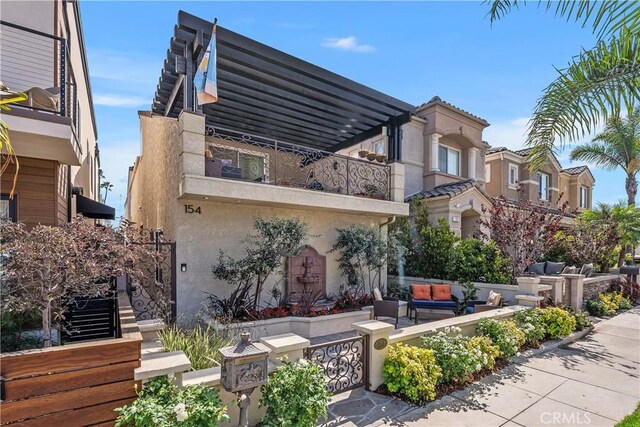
[
  {"x": 385, "y": 306},
  {"x": 477, "y": 306}
]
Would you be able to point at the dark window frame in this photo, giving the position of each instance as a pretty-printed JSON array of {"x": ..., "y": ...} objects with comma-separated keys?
[{"x": 13, "y": 206}]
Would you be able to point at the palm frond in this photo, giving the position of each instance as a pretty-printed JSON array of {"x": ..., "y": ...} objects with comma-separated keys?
[
  {"x": 604, "y": 17},
  {"x": 596, "y": 85},
  {"x": 599, "y": 154}
]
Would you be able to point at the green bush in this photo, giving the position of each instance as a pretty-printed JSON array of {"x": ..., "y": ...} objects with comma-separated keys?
[
  {"x": 486, "y": 350},
  {"x": 531, "y": 322},
  {"x": 598, "y": 308},
  {"x": 477, "y": 261},
  {"x": 296, "y": 395},
  {"x": 436, "y": 251},
  {"x": 559, "y": 322},
  {"x": 163, "y": 404},
  {"x": 16, "y": 330},
  {"x": 504, "y": 333},
  {"x": 199, "y": 343},
  {"x": 582, "y": 320},
  {"x": 607, "y": 304},
  {"x": 412, "y": 372}
]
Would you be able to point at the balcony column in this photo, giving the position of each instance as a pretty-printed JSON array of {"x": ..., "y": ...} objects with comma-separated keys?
[
  {"x": 191, "y": 136},
  {"x": 435, "y": 141},
  {"x": 471, "y": 169},
  {"x": 397, "y": 182}
]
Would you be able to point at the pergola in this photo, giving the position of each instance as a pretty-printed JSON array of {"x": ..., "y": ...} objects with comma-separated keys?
[{"x": 270, "y": 94}]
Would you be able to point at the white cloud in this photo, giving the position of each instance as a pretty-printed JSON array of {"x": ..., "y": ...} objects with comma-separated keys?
[
  {"x": 347, "y": 43},
  {"x": 115, "y": 100},
  {"x": 510, "y": 134}
]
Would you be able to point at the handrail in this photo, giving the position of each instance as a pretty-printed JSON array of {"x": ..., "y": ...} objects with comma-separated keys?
[{"x": 31, "y": 30}]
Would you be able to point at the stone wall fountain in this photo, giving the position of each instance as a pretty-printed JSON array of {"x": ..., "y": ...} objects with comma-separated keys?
[{"x": 307, "y": 281}]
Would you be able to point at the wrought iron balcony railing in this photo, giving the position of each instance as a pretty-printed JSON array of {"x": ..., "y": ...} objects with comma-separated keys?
[
  {"x": 38, "y": 63},
  {"x": 249, "y": 158}
]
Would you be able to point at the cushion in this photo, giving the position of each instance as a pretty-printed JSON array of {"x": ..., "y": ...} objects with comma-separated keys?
[
  {"x": 494, "y": 298},
  {"x": 377, "y": 295},
  {"x": 569, "y": 270},
  {"x": 436, "y": 304},
  {"x": 536, "y": 268},
  {"x": 553, "y": 268},
  {"x": 441, "y": 292},
  {"x": 586, "y": 270},
  {"x": 422, "y": 292}
]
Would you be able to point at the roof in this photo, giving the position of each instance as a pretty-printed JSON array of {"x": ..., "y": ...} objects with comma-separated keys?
[
  {"x": 438, "y": 100},
  {"x": 453, "y": 189},
  {"x": 268, "y": 93},
  {"x": 524, "y": 152},
  {"x": 577, "y": 170}
]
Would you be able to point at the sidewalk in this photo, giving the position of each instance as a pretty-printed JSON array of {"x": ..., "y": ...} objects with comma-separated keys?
[{"x": 593, "y": 382}]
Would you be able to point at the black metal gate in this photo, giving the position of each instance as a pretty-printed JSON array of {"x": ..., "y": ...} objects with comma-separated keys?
[
  {"x": 154, "y": 295},
  {"x": 344, "y": 361},
  {"x": 91, "y": 318}
]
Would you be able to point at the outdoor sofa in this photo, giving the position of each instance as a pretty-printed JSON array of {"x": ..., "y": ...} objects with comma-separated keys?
[
  {"x": 549, "y": 268},
  {"x": 437, "y": 297}
]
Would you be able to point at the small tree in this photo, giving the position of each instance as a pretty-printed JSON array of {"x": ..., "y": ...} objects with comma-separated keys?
[
  {"x": 405, "y": 240},
  {"x": 47, "y": 268},
  {"x": 363, "y": 253},
  {"x": 522, "y": 230},
  {"x": 273, "y": 241},
  {"x": 590, "y": 241},
  {"x": 436, "y": 251}
]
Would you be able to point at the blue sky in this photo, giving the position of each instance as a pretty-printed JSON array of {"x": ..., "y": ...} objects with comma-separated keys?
[{"x": 410, "y": 50}]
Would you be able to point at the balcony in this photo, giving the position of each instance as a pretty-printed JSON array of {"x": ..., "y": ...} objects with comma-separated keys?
[{"x": 46, "y": 125}]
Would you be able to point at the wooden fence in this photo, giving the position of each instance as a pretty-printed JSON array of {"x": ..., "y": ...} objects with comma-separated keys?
[{"x": 72, "y": 385}]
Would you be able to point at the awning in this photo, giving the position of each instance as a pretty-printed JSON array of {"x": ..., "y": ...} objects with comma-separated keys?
[
  {"x": 92, "y": 209},
  {"x": 267, "y": 93}
]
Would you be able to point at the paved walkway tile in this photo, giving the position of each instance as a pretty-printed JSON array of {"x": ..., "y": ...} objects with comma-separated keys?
[
  {"x": 532, "y": 380},
  {"x": 450, "y": 411},
  {"x": 501, "y": 399},
  {"x": 547, "y": 412},
  {"x": 606, "y": 403}
]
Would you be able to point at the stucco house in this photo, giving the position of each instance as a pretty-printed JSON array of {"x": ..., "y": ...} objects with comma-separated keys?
[
  {"x": 269, "y": 146},
  {"x": 508, "y": 174},
  {"x": 54, "y": 132},
  {"x": 444, "y": 155}
]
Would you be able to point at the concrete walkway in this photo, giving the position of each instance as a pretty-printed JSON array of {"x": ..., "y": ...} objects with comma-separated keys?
[{"x": 593, "y": 382}]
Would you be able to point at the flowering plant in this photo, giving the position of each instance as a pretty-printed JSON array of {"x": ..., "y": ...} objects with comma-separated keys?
[
  {"x": 163, "y": 404},
  {"x": 531, "y": 322},
  {"x": 412, "y": 372},
  {"x": 559, "y": 322},
  {"x": 505, "y": 334}
]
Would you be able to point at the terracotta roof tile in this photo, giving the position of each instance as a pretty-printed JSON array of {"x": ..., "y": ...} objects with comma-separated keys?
[{"x": 451, "y": 190}]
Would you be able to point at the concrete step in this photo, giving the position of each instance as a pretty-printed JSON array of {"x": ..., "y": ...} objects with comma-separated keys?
[
  {"x": 149, "y": 328},
  {"x": 150, "y": 347},
  {"x": 165, "y": 363}
]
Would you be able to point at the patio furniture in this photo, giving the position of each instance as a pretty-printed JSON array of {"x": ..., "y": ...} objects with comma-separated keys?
[
  {"x": 433, "y": 314},
  {"x": 385, "y": 306},
  {"x": 435, "y": 297},
  {"x": 477, "y": 306},
  {"x": 546, "y": 268},
  {"x": 43, "y": 99},
  {"x": 217, "y": 168}
]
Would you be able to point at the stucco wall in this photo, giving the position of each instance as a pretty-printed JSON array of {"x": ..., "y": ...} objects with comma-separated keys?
[{"x": 222, "y": 226}]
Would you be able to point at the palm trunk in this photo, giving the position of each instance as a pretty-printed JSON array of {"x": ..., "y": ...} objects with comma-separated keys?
[{"x": 631, "y": 185}]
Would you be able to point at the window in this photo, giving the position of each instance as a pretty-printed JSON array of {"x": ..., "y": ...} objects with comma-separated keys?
[
  {"x": 378, "y": 147},
  {"x": 584, "y": 197},
  {"x": 543, "y": 182},
  {"x": 448, "y": 160},
  {"x": 487, "y": 173},
  {"x": 513, "y": 175},
  {"x": 251, "y": 167},
  {"x": 8, "y": 208}
]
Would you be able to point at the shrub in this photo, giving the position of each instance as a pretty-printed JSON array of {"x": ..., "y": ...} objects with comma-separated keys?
[
  {"x": 582, "y": 320},
  {"x": 530, "y": 321},
  {"x": 477, "y": 261},
  {"x": 597, "y": 308},
  {"x": 505, "y": 334},
  {"x": 398, "y": 291},
  {"x": 17, "y": 331},
  {"x": 607, "y": 304},
  {"x": 453, "y": 356},
  {"x": 487, "y": 351},
  {"x": 199, "y": 343},
  {"x": 296, "y": 395},
  {"x": 436, "y": 251},
  {"x": 559, "y": 322},
  {"x": 628, "y": 289},
  {"x": 412, "y": 372},
  {"x": 163, "y": 404}
]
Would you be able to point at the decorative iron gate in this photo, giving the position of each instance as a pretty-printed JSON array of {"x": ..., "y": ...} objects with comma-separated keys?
[
  {"x": 344, "y": 362},
  {"x": 154, "y": 296}
]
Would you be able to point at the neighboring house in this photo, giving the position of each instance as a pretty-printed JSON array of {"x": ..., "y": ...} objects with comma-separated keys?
[
  {"x": 53, "y": 133},
  {"x": 267, "y": 147},
  {"x": 444, "y": 156},
  {"x": 507, "y": 174}
]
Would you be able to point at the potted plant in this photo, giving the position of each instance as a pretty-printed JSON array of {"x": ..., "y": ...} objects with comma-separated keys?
[
  {"x": 380, "y": 158},
  {"x": 363, "y": 153},
  {"x": 371, "y": 156}
]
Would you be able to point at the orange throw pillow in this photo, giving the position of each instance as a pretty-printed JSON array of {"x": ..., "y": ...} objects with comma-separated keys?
[
  {"x": 422, "y": 292},
  {"x": 441, "y": 292}
]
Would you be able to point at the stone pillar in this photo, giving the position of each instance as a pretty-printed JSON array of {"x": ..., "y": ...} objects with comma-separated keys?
[
  {"x": 575, "y": 288},
  {"x": 378, "y": 347},
  {"x": 290, "y": 345},
  {"x": 435, "y": 140},
  {"x": 471, "y": 168},
  {"x": 557, "y": 287},
  {"x": 191, "y": 135},
  {"x": 397, "y": 182},
  {"x": 528, "y": 287}
]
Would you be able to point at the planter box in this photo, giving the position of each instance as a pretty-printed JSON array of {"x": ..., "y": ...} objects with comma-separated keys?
[
  {"x": 83, "y": 382},
  {"x": 306, "y": 327}
]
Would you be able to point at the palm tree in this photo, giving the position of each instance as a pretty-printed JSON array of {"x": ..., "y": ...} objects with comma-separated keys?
[
  {"x": 108, "y": 186},
  {"x": 626, "y": 220},
  {"x": 618, "y": 146},
  {"x": 598, "y": 84}
]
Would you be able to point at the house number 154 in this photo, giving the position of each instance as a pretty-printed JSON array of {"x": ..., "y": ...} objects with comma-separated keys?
[{"x": 191, "y": 209}]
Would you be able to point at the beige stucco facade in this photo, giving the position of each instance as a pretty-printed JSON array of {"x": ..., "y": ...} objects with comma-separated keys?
[{"x": 170, "y": 174}]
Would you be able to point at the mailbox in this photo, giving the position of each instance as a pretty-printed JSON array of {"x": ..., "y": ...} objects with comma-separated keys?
[{"x": 244, "y": 366}]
